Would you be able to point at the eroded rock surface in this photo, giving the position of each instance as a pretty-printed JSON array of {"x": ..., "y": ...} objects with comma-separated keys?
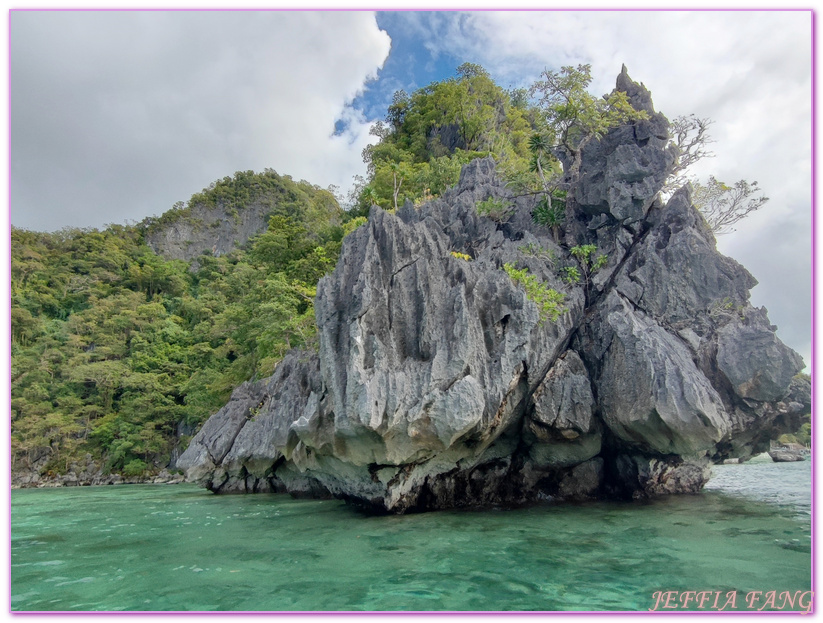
[
  {"x": 439, "y": 384},
  {"x": 208, "y": 228},
  {"x": 786, "y": 455}
]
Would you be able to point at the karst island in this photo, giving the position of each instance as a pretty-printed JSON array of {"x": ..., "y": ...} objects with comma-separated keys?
[{"x": 499, "y": 344}]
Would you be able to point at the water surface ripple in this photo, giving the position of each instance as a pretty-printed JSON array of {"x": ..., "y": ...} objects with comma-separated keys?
[{"x": 161, "y": 548}]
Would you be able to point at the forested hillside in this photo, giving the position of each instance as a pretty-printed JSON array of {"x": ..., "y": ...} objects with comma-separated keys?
[
  {"x": 117, "y": 351},
  {"x": 122, "y": 354},
  {"x": 234, "y": 209}
]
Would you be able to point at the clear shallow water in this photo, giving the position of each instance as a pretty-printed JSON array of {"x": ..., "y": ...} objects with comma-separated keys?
[
  {"x": 153, "y": 547},
  {"x": 785, "y": 485}
]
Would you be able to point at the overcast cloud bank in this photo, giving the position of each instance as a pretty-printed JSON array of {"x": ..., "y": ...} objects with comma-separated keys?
[{"x": 117, "y": 115}]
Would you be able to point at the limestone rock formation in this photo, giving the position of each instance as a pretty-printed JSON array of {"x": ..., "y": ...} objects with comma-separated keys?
[
  {"x": 207, "y": 229},
  {"x": 231, "y": 211},
  {"x": 439, "y": 383}
]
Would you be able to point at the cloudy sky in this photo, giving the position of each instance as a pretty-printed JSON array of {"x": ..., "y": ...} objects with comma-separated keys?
[{"x": 115, "y": 116}]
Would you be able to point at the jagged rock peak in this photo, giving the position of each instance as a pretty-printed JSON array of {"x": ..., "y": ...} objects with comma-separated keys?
[
  {"x": 440, "y": 382},
  {"x": 621, "y": 175},
  {"x": 639, "y": 96}
]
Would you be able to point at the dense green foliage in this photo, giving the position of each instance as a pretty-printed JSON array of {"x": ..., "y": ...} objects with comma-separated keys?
[
  {"x": 116, "y": 350},
  {"x": 429, "y": 135},
  {"x": 280, "y": 195},
  {"x": 574, "y": 115}
]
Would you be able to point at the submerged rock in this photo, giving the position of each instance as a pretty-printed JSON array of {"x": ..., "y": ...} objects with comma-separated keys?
[
  {"x": 786, "y": 455},
  {"x": 439, "y": 383}
]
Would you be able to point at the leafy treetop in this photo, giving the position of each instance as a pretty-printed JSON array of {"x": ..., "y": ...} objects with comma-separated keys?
[
  {"x": 575, "y": 116},
  {"x": 429, "y": 135}
]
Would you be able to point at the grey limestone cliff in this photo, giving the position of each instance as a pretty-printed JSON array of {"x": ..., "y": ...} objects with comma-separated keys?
[
  {"x": 232, "y": 211},
  {"x": 439, "y": 384},
  {"x": 209, "y": 229}
]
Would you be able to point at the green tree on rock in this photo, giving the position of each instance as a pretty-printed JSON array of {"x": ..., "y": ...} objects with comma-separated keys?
[
  {"x": 575, "y": 116},
  {"x": 428, "y": 135}
]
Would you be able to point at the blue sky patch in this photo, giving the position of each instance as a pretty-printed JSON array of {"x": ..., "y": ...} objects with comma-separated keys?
[{"x": 411, "y": 63}]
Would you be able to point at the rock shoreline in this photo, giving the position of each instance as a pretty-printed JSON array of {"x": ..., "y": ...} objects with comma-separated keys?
[
  {"x": 787, "y": 455},
  {"x": 85, "y": 473},
  {"x": 33, "y": 480}
]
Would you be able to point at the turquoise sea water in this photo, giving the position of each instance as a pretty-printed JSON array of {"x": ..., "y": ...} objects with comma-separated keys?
[{"x": 156, "y": 547}]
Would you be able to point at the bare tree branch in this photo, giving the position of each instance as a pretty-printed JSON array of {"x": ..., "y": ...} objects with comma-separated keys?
[
  {"x": 722, "y": 206},
  {"x": 690, "y": 136}
]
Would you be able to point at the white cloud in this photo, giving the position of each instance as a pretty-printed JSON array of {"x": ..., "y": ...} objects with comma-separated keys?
[{"x": 117, "y": 115}]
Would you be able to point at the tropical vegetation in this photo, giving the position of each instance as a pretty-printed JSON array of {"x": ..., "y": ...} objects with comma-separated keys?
[{"x": 117, "y": 352}]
